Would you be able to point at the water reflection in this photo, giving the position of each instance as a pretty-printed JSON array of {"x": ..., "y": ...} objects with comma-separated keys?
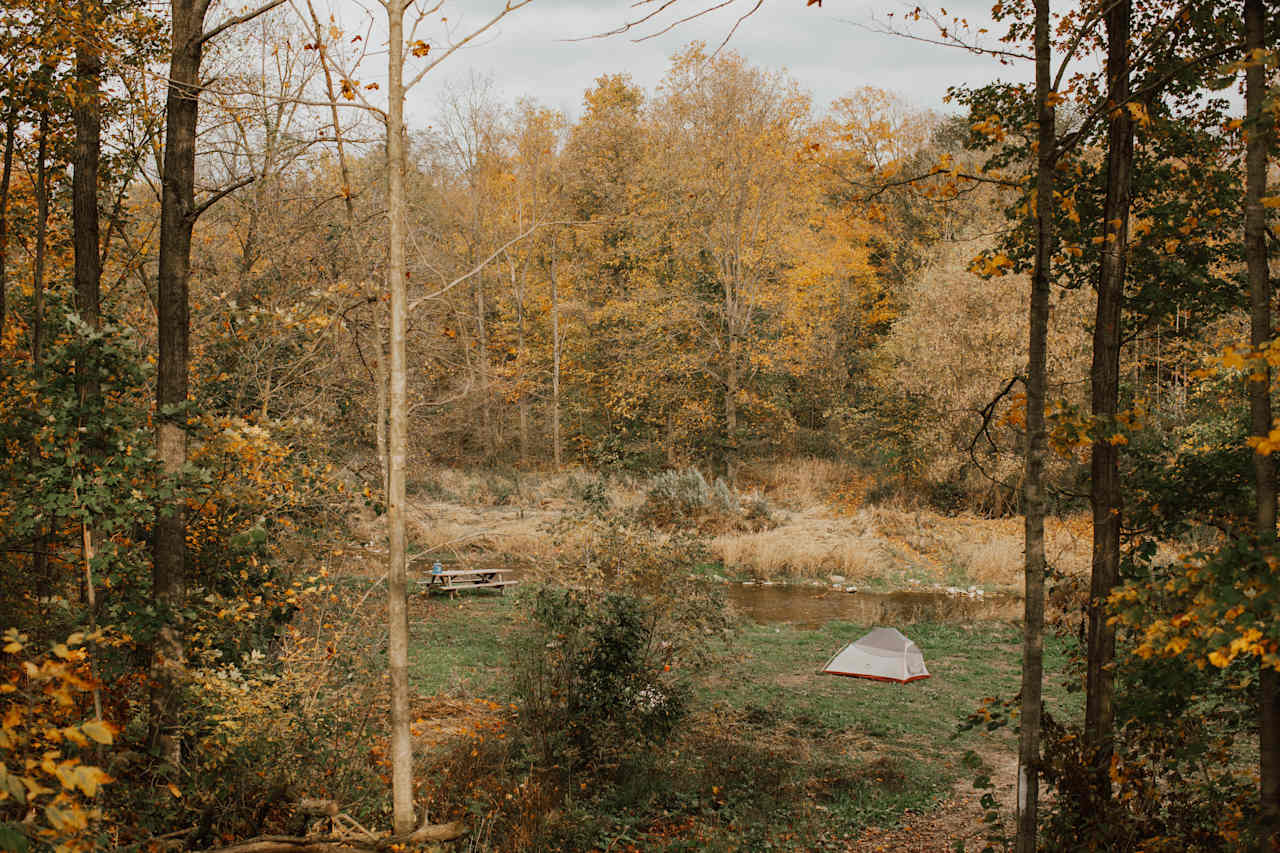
[{"x": 811, "y": 608}]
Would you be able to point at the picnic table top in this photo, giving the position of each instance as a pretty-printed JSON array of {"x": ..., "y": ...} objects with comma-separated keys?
[{"x": 465, "y": 573}]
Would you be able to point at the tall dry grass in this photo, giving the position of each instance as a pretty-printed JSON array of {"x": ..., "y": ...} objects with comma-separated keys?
[
  {"x": 823, "y": 531},
  {"x": 888, "y": 544},
  {"x": 800, "y": 482}
]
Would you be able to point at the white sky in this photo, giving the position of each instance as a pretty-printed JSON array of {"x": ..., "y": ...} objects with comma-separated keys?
[{"x": 821, "y": 47}]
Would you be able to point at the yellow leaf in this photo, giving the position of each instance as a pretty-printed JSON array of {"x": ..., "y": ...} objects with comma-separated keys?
[
  {"x": 89, "y": 779},
  {"x": 1271, "y": 201},
  {"x": 98, "y": 730},
  {"x": 173, "y": 789},
  {"x": 420, "y": 48}
]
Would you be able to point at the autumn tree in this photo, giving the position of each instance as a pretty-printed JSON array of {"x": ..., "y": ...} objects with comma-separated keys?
[{"x": 725, "y": 132}]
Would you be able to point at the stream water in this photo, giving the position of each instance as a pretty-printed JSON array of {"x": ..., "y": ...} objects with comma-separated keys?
[{"x": 811, "y": 608}]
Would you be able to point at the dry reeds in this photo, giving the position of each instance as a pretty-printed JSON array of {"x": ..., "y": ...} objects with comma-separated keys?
[{"x": 885, "y": 543}]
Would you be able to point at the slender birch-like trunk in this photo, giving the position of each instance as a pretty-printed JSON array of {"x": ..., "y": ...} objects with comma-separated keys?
[
  {"x": 397, "y": 608},
  {"x": 1036, "y": 450}
]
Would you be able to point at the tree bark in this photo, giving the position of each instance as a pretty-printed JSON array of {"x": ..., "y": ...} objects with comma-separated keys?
[
  {"x": 1105, "y": 388},
  {"x": 84, "y": 189},
  {"x": 555, "y": 362},
  {"x": 1259, "y": 129},
  {"x": 397, "y": 607},
  {"x": 40, "y": 559},
  {"x": 177, "y": 219},
  {"x": 1036, "y": 450},
  {"x": 6, "y": 173},
  {"x": 88, "y": 262},
  {"x": 42, "y": 238}
]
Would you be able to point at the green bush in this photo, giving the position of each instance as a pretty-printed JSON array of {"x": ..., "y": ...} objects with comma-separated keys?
[{"x": 594, "y": 677}]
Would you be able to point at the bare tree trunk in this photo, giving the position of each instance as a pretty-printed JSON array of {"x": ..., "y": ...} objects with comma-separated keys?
[
  {"x": 6, "y": 172},
  {"x": 88, "y": 125},
  {"x": 397, "y": 609},
  {"x": 1105, "y": 376},
  {"x": 487, "y": 426},
  {"x": 555, "y": 362},
  {"x": 178, "y": 214},
  {"x": 177, "y": 219},
  {"x": 88, "y": 261},
  {"x": 731, "y": 407},
  {"x": 522, "y": 361},
  {"x": 380, "y": 398},
  {"x": 1259, "y": 131},
  {"x": 1033, "y": 486},
  {"x": 40, "y": 559},
  {"x": 42, "y": 236}
]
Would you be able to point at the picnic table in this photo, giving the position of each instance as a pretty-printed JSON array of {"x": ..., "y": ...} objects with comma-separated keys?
[{"x": 440, "y": 579}]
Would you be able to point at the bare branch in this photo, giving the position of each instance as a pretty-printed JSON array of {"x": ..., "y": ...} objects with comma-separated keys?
[
  {"x": 511, "y": 6},
  {"x": 240, "y": 19},
  {"x": 946, "y": 41},
  {"x": 219, "y": 196}
]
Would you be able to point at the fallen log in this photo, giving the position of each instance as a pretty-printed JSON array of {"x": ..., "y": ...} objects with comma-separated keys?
[{"x": 341, "y": 844}]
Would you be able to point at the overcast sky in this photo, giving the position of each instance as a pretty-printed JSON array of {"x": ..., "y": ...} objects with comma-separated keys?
[{"x": 821, "y": 47}]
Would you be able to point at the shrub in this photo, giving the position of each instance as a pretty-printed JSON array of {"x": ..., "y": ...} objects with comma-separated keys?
[
  {"x": 685, "y": 499},
  {"x": 594, "y": 678}
]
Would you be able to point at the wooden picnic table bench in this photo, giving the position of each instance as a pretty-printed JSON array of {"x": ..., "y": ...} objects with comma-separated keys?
[{"x": 452, "y": 580}]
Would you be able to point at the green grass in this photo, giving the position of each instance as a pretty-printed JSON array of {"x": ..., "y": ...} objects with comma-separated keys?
[
  {"x": 455, "y": 645},
  {"x": 774, "y": 755},
  {"x": 776, "y": 668}
]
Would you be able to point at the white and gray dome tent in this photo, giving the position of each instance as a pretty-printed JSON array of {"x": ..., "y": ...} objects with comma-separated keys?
[{"x": 885, "y": 654}]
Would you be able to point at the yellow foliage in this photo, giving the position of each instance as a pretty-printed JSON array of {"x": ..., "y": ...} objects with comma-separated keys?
[{"x": 37, "y": 776}]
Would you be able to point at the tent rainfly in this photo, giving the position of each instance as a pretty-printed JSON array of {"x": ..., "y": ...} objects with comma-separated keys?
[{"x": 884, "y": 655}]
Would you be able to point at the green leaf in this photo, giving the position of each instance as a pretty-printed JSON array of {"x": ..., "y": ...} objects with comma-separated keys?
[{"x": 13, "y": 840}]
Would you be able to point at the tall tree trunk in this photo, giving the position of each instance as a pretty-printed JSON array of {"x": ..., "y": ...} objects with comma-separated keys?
[
  {"x": 40, "y": 568},
  {"x": 84, "y": 189},
  {"x": 1105, "y": 377},
  {"x": 397, "y": 608},
  {"x": 523, "y": 398},
  {"x": 731, "y": 379},
  {"x": 177, "y": 219},
  {"x": 1259, "y": 129},
  {"x": 487, "y": 426},
  {"x": 88, "y": 261},
  {"x": 555, "y": 362},
  {"x": 380, "y": 398},
  {"x": 42, "y": 239},
  {"x": 6, "y": 172},
  {"x": 1036, "y": 450}
]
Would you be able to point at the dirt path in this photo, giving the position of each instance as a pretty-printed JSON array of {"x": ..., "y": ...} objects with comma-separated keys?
[{"x": 958, "y": 818}]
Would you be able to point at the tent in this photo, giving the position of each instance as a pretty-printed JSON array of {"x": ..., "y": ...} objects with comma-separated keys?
[{"x": 884, "y": 655}]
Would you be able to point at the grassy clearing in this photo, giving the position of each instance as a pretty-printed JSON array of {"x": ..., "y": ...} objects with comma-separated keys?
[{"x": 773, "y": 756}]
